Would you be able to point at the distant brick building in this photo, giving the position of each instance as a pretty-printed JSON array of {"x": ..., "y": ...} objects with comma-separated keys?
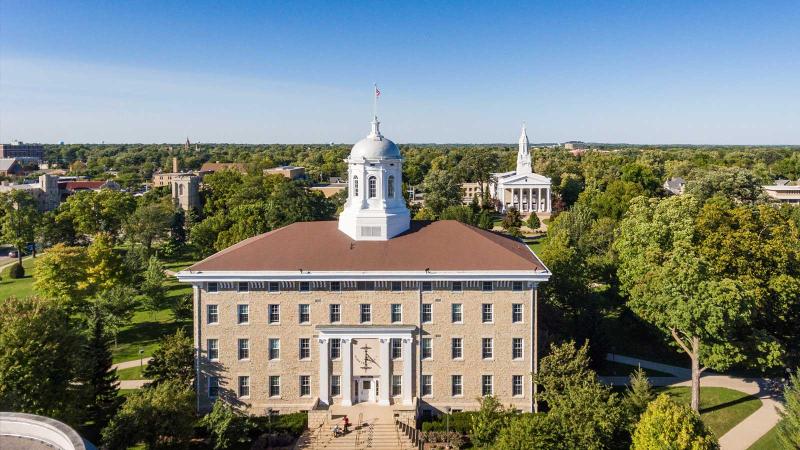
[
  {"x": 10, "y": 166},
  {"x": 290, "y": 172},
  {"x": 20, "y": 150}
]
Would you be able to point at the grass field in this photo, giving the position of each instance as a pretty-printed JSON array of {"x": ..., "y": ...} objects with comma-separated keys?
[
  {"x": 131, "y": 373},
  {"x": 147, "y": 328},
  {"x": 21, "y": 287},
  {"x": 768, "y": 442},
  {"x": 720, "y": 408}
]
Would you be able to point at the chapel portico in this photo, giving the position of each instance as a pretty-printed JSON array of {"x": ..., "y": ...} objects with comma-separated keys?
[
  {"x": 365, "y": 378},
  {"x": 522, "y": 189}
]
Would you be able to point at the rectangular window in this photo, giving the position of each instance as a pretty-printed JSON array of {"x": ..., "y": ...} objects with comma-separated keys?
[
  {"x": 212, "y": 313},
  {"x": 336, "y": 286},
  {"x": 213, "y": 387},
  {"x": 456, "y": 286},
  {"x": 487, "y": 313},
  {"x": 212, "y": 287},
  {"x": 397, "y": 286},
  {"x": 456, "y": 348},
  {"x": 274, "y": 348},
  {"x": 274, "y": 313},
  {"x": 427, "y": 286},
  {"x": 516, "y": 286},
  {"x": 305, "y": 286},
  {"x": 456, "y": 388},
  {"x": 487, "y": 348},
  {"x": 305, "y": 348},
  {"x": 366, "y": 313},
  {"x": 213, "y": 349},
  {"x": 516, "y": 348},
  {"x": 397, "y": 384},
  {"x": 305, "y": 385},
  {"x": 516, "y": 312},
  {"x": 365, "y": 285},
  {"x": 455, "y": 313},
  {"x": 516, "y": 385},
  {"x": 427, "y": 385},
  {"x": 427, "y": 313},
  {"x": 274, "y": 286},
  {"x": 336, "y": 386},
  {"x": 244, "y": 349},
  {"x": 274, "y": 386},
  {"x": 397, "y": 348},
  {"x": 336, "y": 348},
  {"x": 486, "y": 385},
  {"x": 244, "y": 386},
  {"x": 487, "y": 286},
  {"x": 397, "y": 312},
  {"x": 335, "y": 313},
  {"x": 244, "y": 286},
  {"x": 427, "y": 348},
  {"x": 243, "y": 313},
  {"x": 304, "y": 313}
]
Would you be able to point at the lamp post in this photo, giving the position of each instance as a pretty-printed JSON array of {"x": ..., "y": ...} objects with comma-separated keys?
[
  {"x": 269, "y": 418},
  {"x": 447, "y": 418},
  {"x": 141, "y": 357}
]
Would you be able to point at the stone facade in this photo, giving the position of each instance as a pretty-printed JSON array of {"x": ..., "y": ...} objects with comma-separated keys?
[{"x": 441, "y": 329}]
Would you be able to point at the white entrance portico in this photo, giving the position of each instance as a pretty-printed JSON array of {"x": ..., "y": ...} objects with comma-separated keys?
[
  {"x": 522, "y": 189},
  {"x": 371, "y": 381}
]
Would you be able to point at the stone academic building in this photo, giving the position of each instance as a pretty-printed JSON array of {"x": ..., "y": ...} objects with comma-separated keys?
[{"x": 373, "y": 308}]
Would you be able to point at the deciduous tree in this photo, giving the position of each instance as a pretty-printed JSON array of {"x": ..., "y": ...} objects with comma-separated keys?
[
  {"x": 19, "y": 218},
  {"x": 173, "y": 360},
  {"x": 442, "y": 189},
  {"x": 666, "y": 424},
  {"x": 789, "y": 426}
]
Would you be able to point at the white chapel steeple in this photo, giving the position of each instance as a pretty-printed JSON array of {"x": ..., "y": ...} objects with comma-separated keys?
[
  {"x": 524, "y": 154},
  {"x": 375, "y": 209}
]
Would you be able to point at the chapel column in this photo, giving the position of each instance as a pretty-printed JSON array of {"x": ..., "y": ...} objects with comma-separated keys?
[
  {"x": 548, "y": 200},
  {"x": 538, "y": 199},
  {"x": 386, "y": 382},
  {"x": 346, "y": 382},
  {"x": 407, "y": 371},
  {"x": 324, "y": 376}
]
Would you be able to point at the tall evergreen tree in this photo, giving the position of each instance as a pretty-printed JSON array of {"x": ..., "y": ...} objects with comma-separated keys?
[{"x": 102, "y": 385}]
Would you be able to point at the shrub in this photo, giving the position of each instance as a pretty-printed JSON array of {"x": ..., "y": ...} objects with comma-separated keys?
[
  {"x": 460, "y": 422},
  {"x": 529, "y": 431},
  {"x": 16, "y": 271},
  {"x": 533, "y": 222},
  {"x": 666, "y": 424},
  {"x": 487, "y": 423}
]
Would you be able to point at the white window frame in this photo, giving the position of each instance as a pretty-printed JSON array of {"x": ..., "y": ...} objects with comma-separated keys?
[
  {"x": 460, "y": 348},
  {"x": 270, "y": 349},
  {"x": 336, "y": 386},
  {"x": 240, "y": 314},
  {"x": 244, "y": 383},
  {"x": 483, "y": 312},
  {"x": 490, "y": 285},
  {"x": 305, "y": 386},
  {"x": 365, "y": 308},
  {"x": 277, "y": 306},
  {"x": 216, "y": 314},
  {"x": 244, "y": 284},
  {"x": 338, "y": 287},
  {"x": 429, "y": 287},
  {"x": 397, "y": 385},
  {"x": 396, "y": 348},
  {"x": 214, "y": 348},
  {"x": 487, "y": 350},
  {"x": 514, "y": 313},
  {"x": 453, "y": 385},
  {"x": 271, "y": 385},
  {"x": 304, "y": 286},
  {"x": 399, "y": 312},
  {"x": 514, "y": 385},
  {"x": 335, "y": 351},
  {"x": 338, "y": 313},
  {"x": 514, "y": 348},
  {"x": 209, "y": 290},
  {"x": 277, "y": 287},
  {"x": 213, "y": 382},
  {"x": 484, "y": 384},
  {"x": 243, "y": 349},
  {"x": 301, "y": 348},
  {"x": 428, "y": 313},
  {"x": 372, "y": 187},
  {"x": 427, "y": 385},
  {"x": 426, "y": 348},
  {"x": 460, "y": 285},
  {"x": 300, "y": 313},
  {"x": 460, "y": 307}
]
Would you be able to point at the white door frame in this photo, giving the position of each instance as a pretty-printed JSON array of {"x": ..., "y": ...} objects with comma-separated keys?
[{"x": 366, "y": 395}]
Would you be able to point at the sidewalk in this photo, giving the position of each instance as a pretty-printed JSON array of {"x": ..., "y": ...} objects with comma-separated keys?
[{"x": 746, "y": 432}]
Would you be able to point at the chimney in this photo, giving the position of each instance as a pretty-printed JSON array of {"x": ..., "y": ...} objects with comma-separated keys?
[{"x": 174, "y": 164}]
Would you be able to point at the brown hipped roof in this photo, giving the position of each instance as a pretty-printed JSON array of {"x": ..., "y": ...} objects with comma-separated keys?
[{"x": 446, "y": 245}]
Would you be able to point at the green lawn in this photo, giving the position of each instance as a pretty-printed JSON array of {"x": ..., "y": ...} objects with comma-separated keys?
[
  {"x": 610, "y": 368},
  {"x": 720, "y": 408},
  {"x": 21, "y": 287},
  {"x": 131, "y": 373},
  {"x": 768, "y": 441}
]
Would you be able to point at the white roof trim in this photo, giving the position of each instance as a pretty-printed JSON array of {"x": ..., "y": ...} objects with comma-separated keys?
[
  {"x": 296, "y": 275},
  {"x": 326, "y": 332}
]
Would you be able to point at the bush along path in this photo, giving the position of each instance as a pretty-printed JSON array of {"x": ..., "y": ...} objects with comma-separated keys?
[{"x": 746, "y": 432}]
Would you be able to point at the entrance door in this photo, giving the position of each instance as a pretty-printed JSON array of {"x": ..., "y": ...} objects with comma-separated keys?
[{"x": 367, "y": 387}]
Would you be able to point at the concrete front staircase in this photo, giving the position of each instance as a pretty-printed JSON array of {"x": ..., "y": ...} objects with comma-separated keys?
[{"x": 375, "y": 435}]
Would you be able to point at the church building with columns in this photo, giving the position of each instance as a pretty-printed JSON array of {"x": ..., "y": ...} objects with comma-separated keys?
[
  {"x": 522, "y": 189},
  {"x": 419, "y": 317}
]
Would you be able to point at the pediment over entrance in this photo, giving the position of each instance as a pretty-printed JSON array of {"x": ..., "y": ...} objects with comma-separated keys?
[{"x": 526, "y": 180}]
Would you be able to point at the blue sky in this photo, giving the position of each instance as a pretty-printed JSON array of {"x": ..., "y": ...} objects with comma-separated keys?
[{"x": 723, "y": 72}]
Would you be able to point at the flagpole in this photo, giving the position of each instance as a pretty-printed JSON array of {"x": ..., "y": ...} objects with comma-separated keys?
[{"x": 375, "y": 100}]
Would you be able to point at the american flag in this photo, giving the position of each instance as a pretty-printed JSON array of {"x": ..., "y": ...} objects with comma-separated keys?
[{"x": 377, "y": 91}]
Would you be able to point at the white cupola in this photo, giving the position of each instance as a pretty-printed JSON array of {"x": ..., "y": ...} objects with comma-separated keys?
[
  {"x": 375, "y": 209},
  {"x": 523, "y": 154}
]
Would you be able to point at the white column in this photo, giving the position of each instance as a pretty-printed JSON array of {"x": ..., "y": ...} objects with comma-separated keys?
[
  {"x": 346, "y": 382},
  {"x": 538, "y": 199},
  {"x": 407, "y": 371},
  {"x": 324, "y": 376},
  {"x": 386, "y": 378},
  {"x": 530, "y": 200},
  {"x": 548, "y": 200}
]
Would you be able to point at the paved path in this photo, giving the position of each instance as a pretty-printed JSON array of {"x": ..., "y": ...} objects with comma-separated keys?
[
  {"x": 129, "y": 364},
  {"x": 132, "y": 384},
  {"x": 746, "y": 432}
]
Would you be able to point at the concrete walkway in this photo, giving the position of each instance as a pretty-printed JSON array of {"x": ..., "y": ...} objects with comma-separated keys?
[
  {"x": 746, "y": 432},
  {"x": 129, "y": 364},
  {"x": 132, "y": 384}
]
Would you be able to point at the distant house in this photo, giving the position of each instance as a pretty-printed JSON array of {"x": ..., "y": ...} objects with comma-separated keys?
[
  {"x": 784, "y": 191},
  {"x": 71, "y": 187},
  {"x": 675, "y": 185},
  {"x": 10, "y": 166},
  {"x": 290, "y": 172}
]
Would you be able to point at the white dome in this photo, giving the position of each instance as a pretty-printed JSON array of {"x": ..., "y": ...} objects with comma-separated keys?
[{"x": 375, "y": 146}]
